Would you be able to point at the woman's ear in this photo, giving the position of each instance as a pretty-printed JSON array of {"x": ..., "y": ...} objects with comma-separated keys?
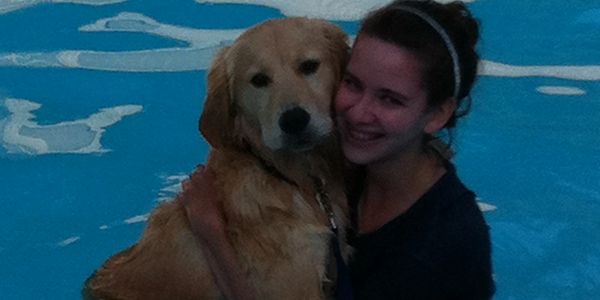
[
  {"x": 440, "y": 116},
  {"x": 216, "y": 121}
]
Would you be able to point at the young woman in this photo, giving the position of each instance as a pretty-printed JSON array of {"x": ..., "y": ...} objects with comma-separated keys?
[{"x": 418, "y": 233}]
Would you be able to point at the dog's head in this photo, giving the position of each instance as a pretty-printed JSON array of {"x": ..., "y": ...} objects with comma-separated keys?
[{"x": 274, "y": 86}]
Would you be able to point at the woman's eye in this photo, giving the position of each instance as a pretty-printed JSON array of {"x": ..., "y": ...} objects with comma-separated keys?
[
  {"x": 349, "y": 82},
  {"x": 260, "y": 80},
  {"x": 391, "y": 100},
  {"x": 309, "y": 67}
]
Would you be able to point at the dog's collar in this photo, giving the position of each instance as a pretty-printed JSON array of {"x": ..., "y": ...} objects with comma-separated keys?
[
  {"x": 322, "y": 195},
  {"x": 324, "y": 201},
  {"x": 268, "y": 167}
]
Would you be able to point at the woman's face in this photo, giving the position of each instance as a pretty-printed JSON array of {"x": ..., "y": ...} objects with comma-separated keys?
[{"x": 381, "y": 105}]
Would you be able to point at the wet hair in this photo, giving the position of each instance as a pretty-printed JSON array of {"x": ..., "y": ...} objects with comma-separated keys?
[{"x": 442, "y": 36}]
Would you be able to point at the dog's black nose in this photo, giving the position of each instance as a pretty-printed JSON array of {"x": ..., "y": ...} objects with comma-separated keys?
[{"x": 294, "y": 121}]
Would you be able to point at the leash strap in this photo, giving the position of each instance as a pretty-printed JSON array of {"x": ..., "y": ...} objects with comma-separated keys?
[
  {"x": 343, "y": 287},
  {"x": 324, "y": 203}
]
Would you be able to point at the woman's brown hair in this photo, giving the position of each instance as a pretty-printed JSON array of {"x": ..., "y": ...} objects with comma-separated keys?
[{"x": 397, "y": 24}]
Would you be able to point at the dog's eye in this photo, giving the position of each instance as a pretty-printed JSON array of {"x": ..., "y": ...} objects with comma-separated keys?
[
  {"x": 310, "y": 66},
  {"x": 260, "y": 80}
]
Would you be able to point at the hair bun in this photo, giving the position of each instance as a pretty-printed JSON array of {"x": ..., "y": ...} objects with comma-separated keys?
[{"x": 463, "y": 16}]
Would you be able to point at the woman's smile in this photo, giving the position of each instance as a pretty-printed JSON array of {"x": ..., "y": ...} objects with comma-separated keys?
[{"x": 362, "y": 137}]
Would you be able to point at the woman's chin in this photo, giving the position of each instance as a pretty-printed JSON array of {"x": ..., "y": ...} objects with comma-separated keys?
[{"x": 357, "y": 155}]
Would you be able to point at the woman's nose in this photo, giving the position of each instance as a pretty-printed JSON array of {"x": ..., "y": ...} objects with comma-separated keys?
[{"x": 361, "y": 111}]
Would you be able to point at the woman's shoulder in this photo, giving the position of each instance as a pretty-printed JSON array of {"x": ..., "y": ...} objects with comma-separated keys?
[
  {"x": 457, "y": 229},
  {"x": 459, "y": 244},
  {"x": 458, "y": 210}
]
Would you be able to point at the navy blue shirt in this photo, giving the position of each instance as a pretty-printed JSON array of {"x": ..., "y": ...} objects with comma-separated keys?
[{"x": 438, "y": 249}]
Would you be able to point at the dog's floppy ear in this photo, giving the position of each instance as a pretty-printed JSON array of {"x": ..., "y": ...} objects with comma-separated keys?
[
  {"x": 216, "y": 119},
  {"x": 338, "y": 46}
]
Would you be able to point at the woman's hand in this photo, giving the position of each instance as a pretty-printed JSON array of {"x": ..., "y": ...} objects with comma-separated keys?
[{"x": 203, "y": 205}]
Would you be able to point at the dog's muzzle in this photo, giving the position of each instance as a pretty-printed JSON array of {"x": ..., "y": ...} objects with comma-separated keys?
[
  {"x": 294, "y": 121},
  {"x": 299, "y": 132}
]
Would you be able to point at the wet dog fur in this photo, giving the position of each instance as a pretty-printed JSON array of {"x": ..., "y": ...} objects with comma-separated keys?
[{"x": 267, "y": 116}]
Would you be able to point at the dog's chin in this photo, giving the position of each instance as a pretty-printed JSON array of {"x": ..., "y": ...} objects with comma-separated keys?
[
  {"x": 298, "y": 147},
  {"x": 301, "y": 143}
]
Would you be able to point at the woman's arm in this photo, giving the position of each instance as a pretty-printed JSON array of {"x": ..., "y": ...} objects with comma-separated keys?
[{"x": 202, "y": 202}]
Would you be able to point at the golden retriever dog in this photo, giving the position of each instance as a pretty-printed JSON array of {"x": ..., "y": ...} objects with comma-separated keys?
[{"x": 267, "y": 116}]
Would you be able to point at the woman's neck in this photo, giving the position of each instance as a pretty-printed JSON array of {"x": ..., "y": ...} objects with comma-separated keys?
[{"x": 391, "y": 188}]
